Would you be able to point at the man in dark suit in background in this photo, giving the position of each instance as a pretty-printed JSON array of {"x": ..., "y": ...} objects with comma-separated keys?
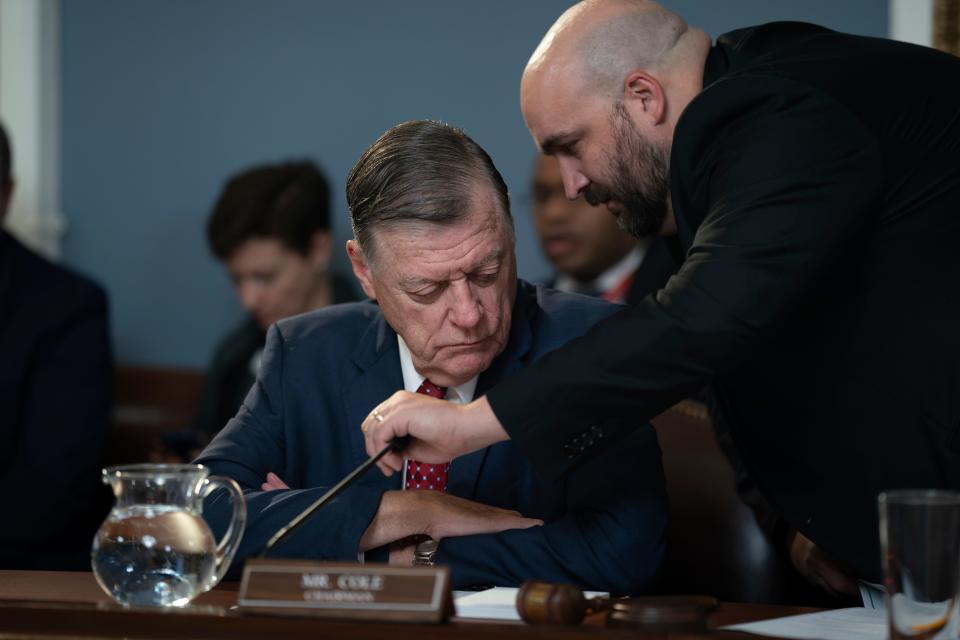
[
  {"x": 591, "y": 254},
  {"x": 813, "y": 179},
  {"x": 55, "y": 382},
  {"x": 434, "y": 249}
]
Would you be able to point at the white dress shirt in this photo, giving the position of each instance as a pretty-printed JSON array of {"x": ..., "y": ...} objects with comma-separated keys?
[{"x": 412, "y": 378}]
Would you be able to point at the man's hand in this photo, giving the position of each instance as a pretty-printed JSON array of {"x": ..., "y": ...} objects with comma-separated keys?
[
  {"x": 440, "y": 431},
  {"x": 273, "y": 483},
  {"x": 814, "y": 565},
  {"x": 438, "y": 515}
]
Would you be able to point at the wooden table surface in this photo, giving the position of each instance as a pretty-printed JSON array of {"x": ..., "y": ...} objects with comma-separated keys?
[{"x": 51, "y": 604}]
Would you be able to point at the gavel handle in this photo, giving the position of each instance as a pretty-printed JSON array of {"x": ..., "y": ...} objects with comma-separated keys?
[{"x": 599, "y": 603}]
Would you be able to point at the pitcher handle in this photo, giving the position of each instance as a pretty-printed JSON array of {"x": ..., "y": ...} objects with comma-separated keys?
[{"x": 228, "y": 544}]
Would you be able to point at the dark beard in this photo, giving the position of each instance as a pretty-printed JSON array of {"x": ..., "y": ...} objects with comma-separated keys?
[{"x": 640, "y": 180}]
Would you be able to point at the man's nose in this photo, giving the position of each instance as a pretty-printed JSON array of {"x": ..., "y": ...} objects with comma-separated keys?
[
  {"x": 465, "y": 305},
  {"x": 250, "y": 296},
  {"x": 574, "y": 182}
]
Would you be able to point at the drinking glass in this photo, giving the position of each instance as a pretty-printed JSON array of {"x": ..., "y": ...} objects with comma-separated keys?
[{"x": 920, "y": 543}]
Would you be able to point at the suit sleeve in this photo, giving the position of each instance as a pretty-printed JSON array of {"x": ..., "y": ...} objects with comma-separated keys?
[
  {"x": 783, "y": 177},
  {"x": 66, "y": 411},
  {"x": 610, "y": 537},
  {"x": 251, "y": 445}
]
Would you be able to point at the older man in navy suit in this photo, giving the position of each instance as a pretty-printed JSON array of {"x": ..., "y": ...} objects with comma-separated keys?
[{"x": 434, "y": 250}]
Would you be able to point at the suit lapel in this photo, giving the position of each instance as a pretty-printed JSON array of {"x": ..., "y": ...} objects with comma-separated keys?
[
  {"x": 378, "y": 377},
  {"x": 465, "y": 471}
]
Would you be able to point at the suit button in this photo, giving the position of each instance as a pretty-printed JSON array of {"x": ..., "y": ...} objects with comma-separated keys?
[
  {"x": 596, "y": 431},
  {"x": 589, "y": 441}
]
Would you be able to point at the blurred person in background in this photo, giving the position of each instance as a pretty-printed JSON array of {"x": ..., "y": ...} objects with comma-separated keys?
[
  {"x": 270, "y": 227},
  {"x": 591, "y": 254},
  {"x": 55, "y": 392}
]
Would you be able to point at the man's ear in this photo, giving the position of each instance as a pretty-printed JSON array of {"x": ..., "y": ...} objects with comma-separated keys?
[
  {"x": 319, "y": 251},
  {"x": 644, "y": 98},
  {"x": 361, "y": 269}
]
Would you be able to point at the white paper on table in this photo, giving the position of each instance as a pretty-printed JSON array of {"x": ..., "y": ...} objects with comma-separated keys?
[
  {"x": 836, "y": 624},
  {"x": 498, "y": 603}
]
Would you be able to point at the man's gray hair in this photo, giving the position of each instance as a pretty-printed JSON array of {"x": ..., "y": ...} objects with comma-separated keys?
[{"x": 419, "y": 171}]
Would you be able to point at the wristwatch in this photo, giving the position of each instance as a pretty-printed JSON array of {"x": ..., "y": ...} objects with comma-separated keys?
[{"x": 424, "y": 553}]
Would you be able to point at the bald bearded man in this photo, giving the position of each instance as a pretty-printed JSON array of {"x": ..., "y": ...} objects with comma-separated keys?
[{"x": 813, "y": 179}]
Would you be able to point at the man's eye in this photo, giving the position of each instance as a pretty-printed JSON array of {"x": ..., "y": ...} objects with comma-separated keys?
[
  {"x": 568, "y": 149},
  {"x": 425, "y": 295},
  {"x": 486, "y": 278}
]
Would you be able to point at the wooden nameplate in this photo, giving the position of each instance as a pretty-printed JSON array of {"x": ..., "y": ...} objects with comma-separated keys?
[{"x": 346, "y": 591}]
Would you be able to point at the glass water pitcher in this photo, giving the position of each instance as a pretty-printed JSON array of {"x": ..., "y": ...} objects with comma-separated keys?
[{"x": 155, "y": 549}]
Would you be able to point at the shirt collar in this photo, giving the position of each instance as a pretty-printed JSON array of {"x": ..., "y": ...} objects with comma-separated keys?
[
  {"x": 412, "y": 379},
  {"x": 612, "y": 276}
]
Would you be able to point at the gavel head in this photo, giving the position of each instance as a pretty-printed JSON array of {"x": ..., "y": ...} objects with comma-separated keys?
[{"x": 546, "y": 603}]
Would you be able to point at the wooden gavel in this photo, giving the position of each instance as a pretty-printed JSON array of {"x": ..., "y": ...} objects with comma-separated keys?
[
  {"x": 547, "y": 603},
  {"x": 564, "y": 604}
]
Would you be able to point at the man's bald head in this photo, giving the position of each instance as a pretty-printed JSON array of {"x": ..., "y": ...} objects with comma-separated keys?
[
  {"x": 603, "y": 93},
  {"x": 601, "y": 41}
]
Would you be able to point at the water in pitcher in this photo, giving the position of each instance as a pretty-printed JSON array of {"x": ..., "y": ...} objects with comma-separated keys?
[{"x": 154, "y": 555}]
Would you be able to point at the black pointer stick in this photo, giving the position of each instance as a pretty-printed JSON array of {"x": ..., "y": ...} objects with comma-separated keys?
[{"x": 397, "y": 445}]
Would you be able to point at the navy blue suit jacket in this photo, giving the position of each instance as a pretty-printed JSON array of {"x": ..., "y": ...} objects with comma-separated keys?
[{"x": 324, "y": 371}]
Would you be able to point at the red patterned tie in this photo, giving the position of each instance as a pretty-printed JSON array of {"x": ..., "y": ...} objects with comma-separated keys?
[{"x": 421, "y": 475}]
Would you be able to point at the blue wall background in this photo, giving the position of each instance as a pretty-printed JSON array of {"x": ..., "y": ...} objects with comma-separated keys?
[{"x": 162, "y": 99}]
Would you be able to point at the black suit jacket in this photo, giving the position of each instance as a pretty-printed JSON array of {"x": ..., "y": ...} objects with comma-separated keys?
[
  {"x": 55, "y": 381},
  {"x": 816, "y": 185}
]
